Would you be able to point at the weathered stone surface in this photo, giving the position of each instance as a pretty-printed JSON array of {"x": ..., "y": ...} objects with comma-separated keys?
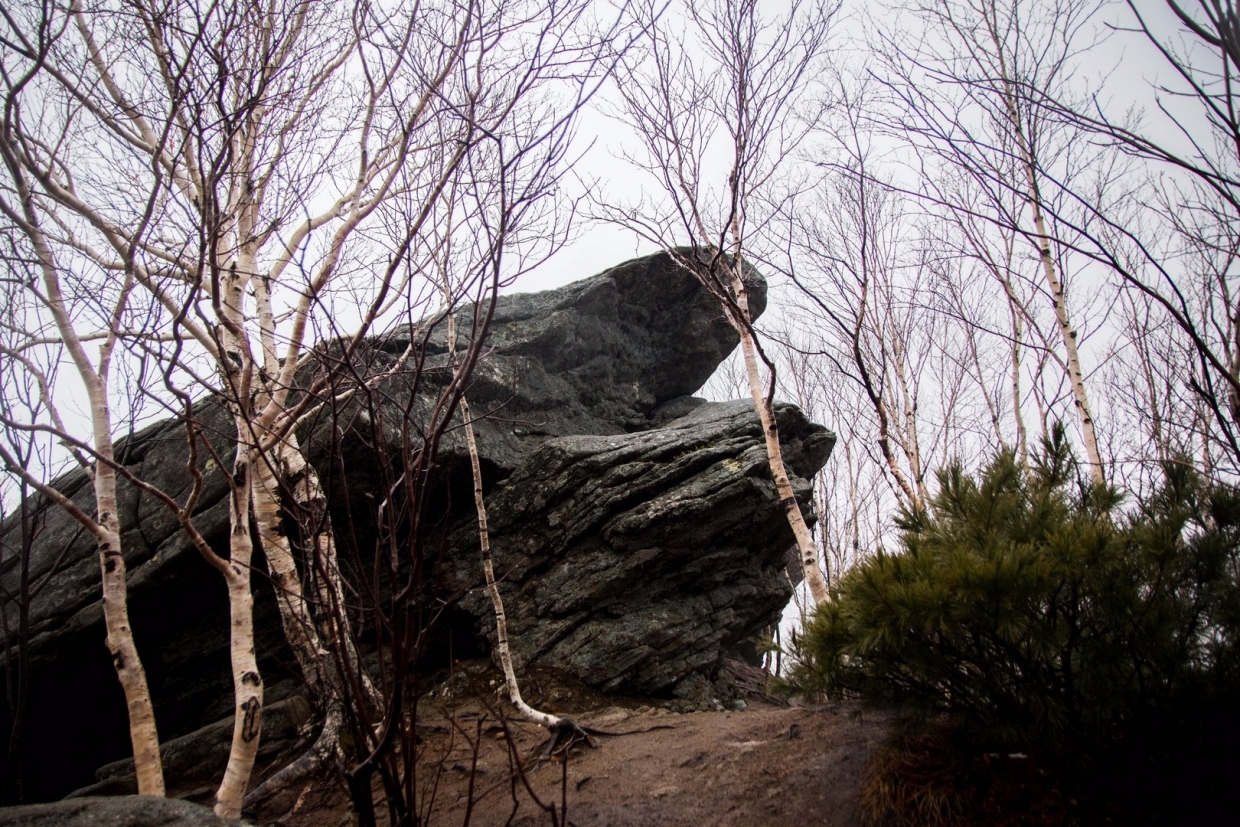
[
  {"x": 194, "y": 763},
  {"x": 635, "y": 527},
  {"x": 630, "y": 561},
  {"x": 63, "y": 555},
  {"x": 119, "y": 811},
  {"x": 599, "y": 356},
  {"x": 618, "y": 352}
]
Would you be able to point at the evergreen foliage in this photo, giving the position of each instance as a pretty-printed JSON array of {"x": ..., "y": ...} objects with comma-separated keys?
[{"x": 1034, "y": 614}]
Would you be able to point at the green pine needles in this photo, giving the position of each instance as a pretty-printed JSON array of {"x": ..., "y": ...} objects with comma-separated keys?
[{"x": 1034, "y": 613}]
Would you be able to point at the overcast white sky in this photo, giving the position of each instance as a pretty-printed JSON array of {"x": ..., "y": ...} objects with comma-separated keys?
[{"x": 1131, "y": 66}]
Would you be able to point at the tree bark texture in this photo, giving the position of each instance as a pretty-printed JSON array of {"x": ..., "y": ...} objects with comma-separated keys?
[
  {"x": 1028, "y": 161},
  {"x": 806, "y": 549},
  {"x": 247, "y": 683},
  {"x": 488, "y": 568},
  {"x": 120, "y": 642}
]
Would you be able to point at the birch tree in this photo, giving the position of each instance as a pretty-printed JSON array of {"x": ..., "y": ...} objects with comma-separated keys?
[
  {"x": 852, "y": 496},
  {"x": 520, "y": 79},
  {"x": 1177, "y": 253},
  {"x": 448, "y": 278},
  {"x": 402, "y": 404},
  {"x": 249, "y": 170},
  {"x": 715, "y": 123},
  {"x": 854, "y": 277},
  {"x": 69, "y": 318},
  {"x": 961, "y": 96},
  {"x": 26, "y": 370}
]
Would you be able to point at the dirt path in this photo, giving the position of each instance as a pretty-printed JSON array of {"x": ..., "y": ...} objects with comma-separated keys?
[{"x": 763, "y": 766}]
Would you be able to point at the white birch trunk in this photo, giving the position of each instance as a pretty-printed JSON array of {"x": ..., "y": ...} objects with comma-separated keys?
[
  {"x": 1022, "y": 437},
  {"x": 488, "y": 568},
  {"x": 142, "y": 732},
  {"x": 1068, "y": 334},
  {"x": 299, "y": 627},
  {"x": 1076, "y": 375},
  {"x": 909, "y": 439},
  {"x": 806, "y": 550},
  {"x": 247, "y": 683},
  {"x": 302, "y": 482},
  {"x": 237, "y": 370},
  {"x": 484, "y": 541},
  {"x": 310, "y": 638},
  {"x": 325, "y": 747}
]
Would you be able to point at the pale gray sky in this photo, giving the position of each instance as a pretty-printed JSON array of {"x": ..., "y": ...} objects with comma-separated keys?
[{"x": 1130, "y": 64}]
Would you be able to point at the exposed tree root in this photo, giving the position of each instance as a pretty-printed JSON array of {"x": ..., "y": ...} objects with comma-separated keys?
[
  {"x": 324, "y": 748},
  {"x": 564, "y": 735},
  {"x": 567, "y": 734}
]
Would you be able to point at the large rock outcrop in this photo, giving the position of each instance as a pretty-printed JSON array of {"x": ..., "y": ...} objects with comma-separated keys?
[
  {"x": 635, "y": 527},
  {"x": 631, "y": 561}
]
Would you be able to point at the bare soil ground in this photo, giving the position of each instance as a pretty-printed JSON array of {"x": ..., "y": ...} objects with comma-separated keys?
[{"x": 764, "y": 766}]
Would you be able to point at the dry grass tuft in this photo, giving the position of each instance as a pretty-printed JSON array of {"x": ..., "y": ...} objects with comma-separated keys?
[{"x": 932, "y": 778}]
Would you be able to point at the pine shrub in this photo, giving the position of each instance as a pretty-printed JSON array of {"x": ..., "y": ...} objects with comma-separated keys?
[{"x": 1031, "y": 612}]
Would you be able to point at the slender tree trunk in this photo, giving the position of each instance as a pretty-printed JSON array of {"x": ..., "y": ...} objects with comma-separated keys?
[
  {"x": 1207, "y": 459},
  {"x": 120, "y": 642},
  {"x": 324, "y": 748},
  {"x": 1038, "y": 392},
  {"x": 854, "y": 506},
  {"x": 237, "y": 367},
  {"x": 1076, "y": 375},
  {"x": 1141, "y": 336},
  {"x": 310, "y": 504},
  {"x": 911, "y": 445},
  {"x": 992, "y": 408},
  {"x": 1022, "y": 437},
  {"x": 484, "y": 542},
  {"x": 285, "y": 473},
  {"x": 247, "y": 682},
  {"x": 806, "y": 550},
  {"x": 497, "y": 602},
  {"x": 1001, "y": 271},
  {"x": 880, "y": 405},
  {"x": 142, "y": 732},
  {"x": 299, "y": 626},
  {"x": 884, "y": 447}
]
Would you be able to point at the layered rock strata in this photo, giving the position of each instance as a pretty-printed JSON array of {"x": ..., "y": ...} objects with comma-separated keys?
[{"x": 635, "y": 529}]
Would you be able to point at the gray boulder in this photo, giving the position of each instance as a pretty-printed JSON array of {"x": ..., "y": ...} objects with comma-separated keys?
[
  {"x": 619, "y": 352},
  {"x": 632, "y": 561},
  {"x": 118, "y": 811},
  {"x": 635, "y": 527}
]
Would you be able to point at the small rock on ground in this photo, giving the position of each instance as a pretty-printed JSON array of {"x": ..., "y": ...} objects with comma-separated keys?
[{"x": 114, "y": 811}]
